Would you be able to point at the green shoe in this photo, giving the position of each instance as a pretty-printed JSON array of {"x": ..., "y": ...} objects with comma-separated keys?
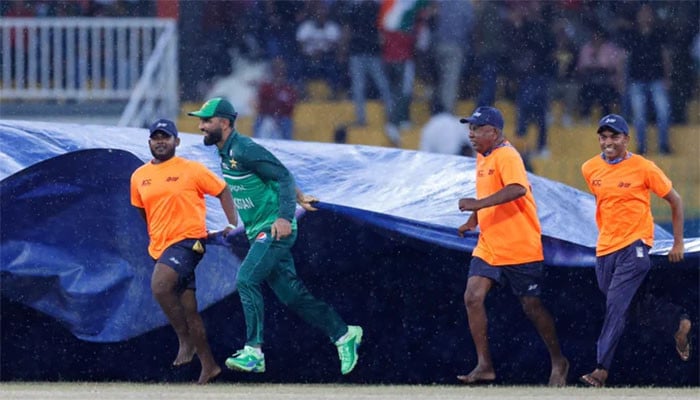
[
  {"x": 347, "y": 348},
  {"x": 247, "y": 359}
]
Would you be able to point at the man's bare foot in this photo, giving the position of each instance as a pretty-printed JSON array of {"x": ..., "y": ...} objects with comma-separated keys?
[
  {"x": 479, "y": 375},
  {"x": 596, "y": 378},
  {"x": 210, "y": 375},
  {"x": 681, "y": 338},
  {"x": 184, "y": 355},
  {"x": 560, "y": 371}
]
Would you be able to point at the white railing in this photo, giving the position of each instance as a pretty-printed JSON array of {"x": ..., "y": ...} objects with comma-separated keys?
[{"x": 86, "y": 59}]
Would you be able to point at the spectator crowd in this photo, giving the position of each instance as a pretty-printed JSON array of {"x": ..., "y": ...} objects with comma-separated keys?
[{"x": 635, "y": 58}]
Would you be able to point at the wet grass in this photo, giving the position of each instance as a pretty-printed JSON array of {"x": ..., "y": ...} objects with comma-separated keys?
[{"x": 124, "y": 391}]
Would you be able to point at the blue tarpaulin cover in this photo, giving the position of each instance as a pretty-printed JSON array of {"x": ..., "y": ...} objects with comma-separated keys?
[{"x": 73, "y": 248}]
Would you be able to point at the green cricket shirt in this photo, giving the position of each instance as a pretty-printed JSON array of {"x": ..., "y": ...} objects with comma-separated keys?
[{"x": 263, "y": 189}]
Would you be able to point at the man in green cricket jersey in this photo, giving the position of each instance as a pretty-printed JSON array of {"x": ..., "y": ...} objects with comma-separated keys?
[{"x": 264, "y": 192}]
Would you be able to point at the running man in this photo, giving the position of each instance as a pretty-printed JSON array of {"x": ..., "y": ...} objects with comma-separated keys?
[
  {"x": 265, "y": 193},
  {"x": 509, "y": 249},
  {"x": 622, "y": 183},
  {"x": 168, "y": 192}
]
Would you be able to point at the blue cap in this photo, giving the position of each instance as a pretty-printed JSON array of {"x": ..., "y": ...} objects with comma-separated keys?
[
  {"x": 485, "y": 116},
  {"x": 614, "y": 123},
  {"x": 164, "y": 125}
]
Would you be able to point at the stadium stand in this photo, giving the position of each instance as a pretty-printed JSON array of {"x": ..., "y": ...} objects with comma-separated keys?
[{"x": 316, "y": 121}]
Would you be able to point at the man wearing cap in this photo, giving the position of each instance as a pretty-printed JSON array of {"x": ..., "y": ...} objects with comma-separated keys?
[
  {"x": 622, "y": 182},
  {"x": 168, "y": 192},
  {"x": 509, "y": 248},
  {"x": 265, "y": 192}
]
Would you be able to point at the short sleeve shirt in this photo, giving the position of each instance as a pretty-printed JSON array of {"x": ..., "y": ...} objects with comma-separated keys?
[
  {"x": 623, "y": 204},
  {"x": 510, "y": 233},
  {"x": 172, "y": 195}
]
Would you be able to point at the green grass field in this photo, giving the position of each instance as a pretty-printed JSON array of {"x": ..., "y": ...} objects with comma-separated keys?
[{"x": 124, "y": 391}]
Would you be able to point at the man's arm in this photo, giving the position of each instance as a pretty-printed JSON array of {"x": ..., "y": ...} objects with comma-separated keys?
[
  {"x": 229, "y": 208},
  {"x": 676, "y": 203},
  {"x": 285, "y": 179},
  {"x": 305, "y": 200},
  {"x": 508, "y": 193},
  {"x": 470, "y": 225},
  {"x": 269, "y": 168}
]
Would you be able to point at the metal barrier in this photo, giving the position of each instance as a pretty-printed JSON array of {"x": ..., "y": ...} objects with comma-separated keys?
[{"x": 85, "y": 59}]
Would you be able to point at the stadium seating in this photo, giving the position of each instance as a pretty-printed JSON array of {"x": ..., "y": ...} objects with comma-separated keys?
[{"x": 317, "y": 119}]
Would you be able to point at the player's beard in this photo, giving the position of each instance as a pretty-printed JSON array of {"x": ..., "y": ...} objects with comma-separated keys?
[
  {"x": 163, "y": 155},
  {"x": 212, "y": 137}
]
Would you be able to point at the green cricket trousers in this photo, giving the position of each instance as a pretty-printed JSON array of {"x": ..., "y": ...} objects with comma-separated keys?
[{"x": 271, "y": 261}]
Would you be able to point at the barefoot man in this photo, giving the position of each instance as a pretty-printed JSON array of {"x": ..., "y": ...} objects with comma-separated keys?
[
  {"x": 168, "y": 192},
  {"x": 509, "y": 249}
]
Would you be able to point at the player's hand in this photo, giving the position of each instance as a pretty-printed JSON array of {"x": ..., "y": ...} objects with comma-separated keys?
[
  {"x": 281, "y": 228},
  {"x": 465, "y": 227},
  {"x": 305, "y": 201},
  {"x": 226, "y": 231},
  {"x": 468, "y": 204},
  {"x": 220, "y": 238},
  {"x": 676, "y": 253}
]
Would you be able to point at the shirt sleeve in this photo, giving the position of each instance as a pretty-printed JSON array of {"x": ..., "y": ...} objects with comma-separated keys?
[
  {"x": 657, "y": 181},
  {"x": 585, "y": 171},
  {"x": 135, "y": 195},
  {"x": 512, "y": 169},
  {"x": 207, "y": 181},
  {"x": 269, "y": 168}
]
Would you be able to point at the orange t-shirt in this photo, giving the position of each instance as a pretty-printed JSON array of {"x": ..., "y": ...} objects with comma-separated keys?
[
  {"x": 510, "y": 232},
  {"x": 623, "y": 203},
  {"x": 172, "y": 194}
]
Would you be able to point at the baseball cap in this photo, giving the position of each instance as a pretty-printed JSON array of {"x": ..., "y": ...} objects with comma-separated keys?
[
  {"x": 216, "y": 107},
  {"x": 164, "y": 125},
  {"x": 615, "y": 123},
  {"x": 485, "y": 116}
]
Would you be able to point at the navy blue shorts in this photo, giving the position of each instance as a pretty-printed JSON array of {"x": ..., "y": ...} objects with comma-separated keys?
[
  {"x": 183, "y": 257},
  {"x": 524, "y": 279}
]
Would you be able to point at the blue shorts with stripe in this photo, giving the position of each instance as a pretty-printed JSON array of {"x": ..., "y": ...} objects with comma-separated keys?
[{"x": 524, "y": 279}]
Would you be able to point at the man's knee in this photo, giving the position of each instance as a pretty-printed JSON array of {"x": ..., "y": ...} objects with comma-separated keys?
[
  {"x": 476, "y": 291},
  {"x": 164, "y": 280},
  {"x": 531, "y": 305},
  {"x": 293, "y": 294},
  {"x": 244, "y": 283},
  {"x": 159, "y": 291},
  {"x": 474, "y": 297}
]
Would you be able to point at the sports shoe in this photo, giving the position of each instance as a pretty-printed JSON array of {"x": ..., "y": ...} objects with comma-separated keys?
[
  {"x": 347, "y": 348},
  {"x": 248, "y": 359}
]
